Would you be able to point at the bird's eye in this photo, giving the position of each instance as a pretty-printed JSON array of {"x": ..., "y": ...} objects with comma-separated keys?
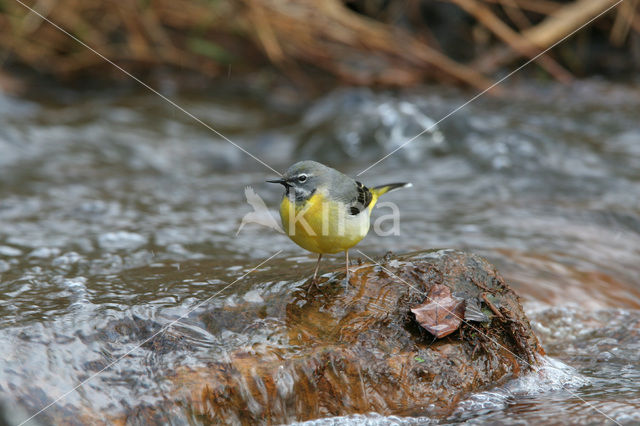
[{"x": 302, "y": 178}]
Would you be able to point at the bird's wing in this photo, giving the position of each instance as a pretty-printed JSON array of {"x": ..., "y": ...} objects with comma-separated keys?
[{"x": 362, "y": 199}]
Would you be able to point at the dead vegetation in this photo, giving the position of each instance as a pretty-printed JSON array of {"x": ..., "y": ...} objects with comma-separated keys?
[{"x": 358, "y": 41}]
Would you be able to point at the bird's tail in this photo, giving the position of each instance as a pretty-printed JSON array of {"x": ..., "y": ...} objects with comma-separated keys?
[
  {"x": 377, "y": 191},
  {"x": 383, "y": 189}
]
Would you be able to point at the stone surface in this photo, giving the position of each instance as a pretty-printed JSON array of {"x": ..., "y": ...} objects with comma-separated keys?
[{"x": 358, "y": 348}]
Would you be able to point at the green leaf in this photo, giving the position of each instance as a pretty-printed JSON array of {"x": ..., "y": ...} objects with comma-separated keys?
[{"x": 419, "y": 359}]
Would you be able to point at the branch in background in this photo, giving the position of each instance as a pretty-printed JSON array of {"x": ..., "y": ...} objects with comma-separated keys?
[
  {"x": 556, "y": 26},
  {"x": 624, "y": 18},
  {"x": 543, "y": 7},
  {"x": 356, "y": 48},
  {"x": 366, "y": 43},
  {"x": 515, "y": 14},
  {"x": 518, "y": 43}
]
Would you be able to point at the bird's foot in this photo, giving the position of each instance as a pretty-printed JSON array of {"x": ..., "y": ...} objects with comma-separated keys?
[
  {"x": 347, "y": 275},
  {"x": 313, "y": 284}
]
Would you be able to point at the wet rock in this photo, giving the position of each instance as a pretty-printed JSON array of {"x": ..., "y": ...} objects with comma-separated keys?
[{"x": 358, "y": 348}]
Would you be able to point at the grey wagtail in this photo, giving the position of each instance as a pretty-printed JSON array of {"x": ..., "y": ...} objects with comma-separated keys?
[{"x": 325, "y": 211}]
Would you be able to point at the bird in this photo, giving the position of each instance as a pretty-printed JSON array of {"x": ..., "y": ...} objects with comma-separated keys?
[{"x": 325, "y": 211}]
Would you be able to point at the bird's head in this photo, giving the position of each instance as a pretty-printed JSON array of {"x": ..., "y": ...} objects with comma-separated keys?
[{"x": 304, "y": 177}]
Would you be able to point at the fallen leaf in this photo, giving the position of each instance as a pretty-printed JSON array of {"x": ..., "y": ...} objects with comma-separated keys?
[{"x": 440, "y": 314}]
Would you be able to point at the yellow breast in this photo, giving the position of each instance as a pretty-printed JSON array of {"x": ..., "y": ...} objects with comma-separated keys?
[{"x": 321, "y": 225}]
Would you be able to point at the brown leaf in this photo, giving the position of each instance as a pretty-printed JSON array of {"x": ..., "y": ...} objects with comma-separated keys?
[{"x": 440, "y": 314}]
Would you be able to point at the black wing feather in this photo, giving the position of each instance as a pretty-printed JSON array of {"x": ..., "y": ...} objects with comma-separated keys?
[{"x": 362, "y": 200}]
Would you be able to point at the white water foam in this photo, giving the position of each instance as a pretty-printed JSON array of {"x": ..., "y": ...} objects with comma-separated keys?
[
  {"x": 550, "y": 376},
  {"x": 370, "y": 419}
]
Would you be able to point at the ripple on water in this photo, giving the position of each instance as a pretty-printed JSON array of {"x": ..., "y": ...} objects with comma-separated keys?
[
  {"x": 551, "y": 376},
  {"x": 118, "y": 215},
  {"x": 371, "y": 419},
  {"x": 121, "y": 240},
  {"x": 10, "y": 251}
]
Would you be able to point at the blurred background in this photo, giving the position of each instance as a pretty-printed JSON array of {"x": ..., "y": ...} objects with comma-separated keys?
[
  {"x": 119, "y": 210},
  {"x": 316, "y": 45}
]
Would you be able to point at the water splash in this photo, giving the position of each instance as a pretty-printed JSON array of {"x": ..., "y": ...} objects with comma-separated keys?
[{"x": 551, "y": 376}]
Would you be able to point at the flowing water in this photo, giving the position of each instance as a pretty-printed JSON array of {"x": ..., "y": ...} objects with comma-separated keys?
[{"x": 119, "y": 214}]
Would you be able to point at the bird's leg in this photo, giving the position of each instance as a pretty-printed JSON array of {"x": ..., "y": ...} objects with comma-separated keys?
[
  {"x": 346, "y": 252},
  {"x": 315, "y": 276},
  {"x": 315, "y": 272}
]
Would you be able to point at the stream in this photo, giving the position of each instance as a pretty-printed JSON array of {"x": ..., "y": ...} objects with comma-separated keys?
[{"x": 119, "y": 214}]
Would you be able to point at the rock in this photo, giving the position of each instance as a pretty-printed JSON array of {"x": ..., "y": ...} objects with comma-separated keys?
[{"x": 359, "y": 348}]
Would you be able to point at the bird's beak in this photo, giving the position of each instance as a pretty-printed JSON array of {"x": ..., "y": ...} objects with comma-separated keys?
[{"x": 280, "y": 181}]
